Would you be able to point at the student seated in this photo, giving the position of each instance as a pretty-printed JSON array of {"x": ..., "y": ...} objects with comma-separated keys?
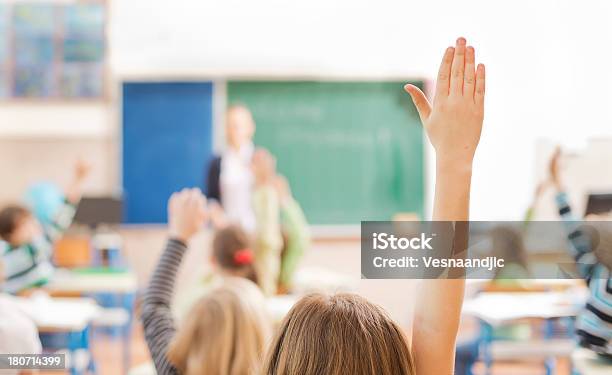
[
  {"x": 233, "y": 253},
  {"x": 26, "y": 245},
  {"x": 226, "y": 330},
  {"x": 346, "y": 334},
  {"x": 594, "y": 325},
  {"x": 231, "y": 257}
]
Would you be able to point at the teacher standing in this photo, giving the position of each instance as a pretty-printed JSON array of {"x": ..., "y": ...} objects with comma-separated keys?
[{"x": 230, "y": 177}]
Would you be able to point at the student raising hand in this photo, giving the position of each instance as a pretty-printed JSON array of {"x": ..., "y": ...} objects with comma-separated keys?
[
  {"x": 186, "y": 213},
  {"x": 453, "y": 124},
  {"x": 226, "y": 329},
  {"x": 361, "y": 338}
]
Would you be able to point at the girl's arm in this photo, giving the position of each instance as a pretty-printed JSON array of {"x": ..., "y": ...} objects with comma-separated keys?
[
  {"x": 453, "y": 126},
  {"x": 75, "y": 189},
  {"x": 157, "y": 319},
  {"x": 62, "y": 220},
  {"x": 186, "y": 215},
  {"x": 581, "y": 248}
]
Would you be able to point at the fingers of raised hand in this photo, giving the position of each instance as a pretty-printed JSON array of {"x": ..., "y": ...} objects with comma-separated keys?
[
  {"x": 187, "y": 198},
  {"x": 458, "y": 69},
  {"x": 479, "y": 93},
  {"x": 459, "y": 76},
  {"x": 443, "y": 80},
  {"x": 469, "y": 77},
  {"x": 420, "y": 101}
]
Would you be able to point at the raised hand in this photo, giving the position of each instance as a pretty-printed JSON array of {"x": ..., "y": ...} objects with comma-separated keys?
[
  {"x": 186, "y": 213},
  {"x": 554, "y": 168},
  {"x": 81, "y": 170},
  {"x": 453, "y": 125},
  {"x": 454, "y": 122},
  {"x": 75, "y": 189}
]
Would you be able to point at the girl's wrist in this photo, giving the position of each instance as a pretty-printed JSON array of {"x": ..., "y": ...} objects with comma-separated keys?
[
  {"x": 178, "y": 235},
  {"x": 454, "y": 165}
]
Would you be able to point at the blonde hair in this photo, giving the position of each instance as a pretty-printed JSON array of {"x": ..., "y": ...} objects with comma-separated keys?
[
  {"x": 339, "y": 334},
  {"x": 226, "y": 332}
]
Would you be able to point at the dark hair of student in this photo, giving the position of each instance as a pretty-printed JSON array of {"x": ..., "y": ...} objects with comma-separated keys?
[
  {"x": 10, "y": 216},
  {"x": 232, "y": 252}
]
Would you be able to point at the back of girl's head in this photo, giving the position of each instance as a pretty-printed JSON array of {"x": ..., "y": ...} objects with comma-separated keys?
[
  {"x": 339, "y": 334},
  {"x": 231, "y": 251},
  {"x": 226, "y": 332}
]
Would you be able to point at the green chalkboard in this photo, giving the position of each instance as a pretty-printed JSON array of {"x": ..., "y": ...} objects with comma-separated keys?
[{"x": 352, "y": 151}]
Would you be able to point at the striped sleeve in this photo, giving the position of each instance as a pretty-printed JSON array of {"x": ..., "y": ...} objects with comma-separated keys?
[
  {"x": 594, "y": 324},
  {"x": 61, "y": 221},
  {"x": 581, "y": 249},
  {"x": 156, "y": 315},
  {"x": 27, "y": 265}
]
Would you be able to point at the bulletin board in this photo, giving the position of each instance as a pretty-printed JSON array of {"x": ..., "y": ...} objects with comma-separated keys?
[
  {"x": 166, "y": 144},
  {"x": 52, "y": 50}
]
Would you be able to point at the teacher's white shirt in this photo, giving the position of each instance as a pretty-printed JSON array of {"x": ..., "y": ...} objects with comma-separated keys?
[{"x": 236, "y": 182}]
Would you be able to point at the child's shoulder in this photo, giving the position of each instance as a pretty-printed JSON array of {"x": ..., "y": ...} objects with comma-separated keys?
[{"x": 4, "y": 247}]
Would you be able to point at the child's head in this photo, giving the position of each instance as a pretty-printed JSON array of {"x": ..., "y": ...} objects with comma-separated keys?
[
  {"x": 508, "y": 245},
  {"x": 17, "y": 225},
  {"x": 239, "y": 125},
  {"x": 224, "y": 333},
  {"x": 339, "y": 334},
  {"x": 232, "y": 253}
]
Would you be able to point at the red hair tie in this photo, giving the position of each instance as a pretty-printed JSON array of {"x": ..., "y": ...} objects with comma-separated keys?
[{"x": 244, "y": 256}]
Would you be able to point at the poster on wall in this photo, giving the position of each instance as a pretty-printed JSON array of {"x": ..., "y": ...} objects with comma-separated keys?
[
  {"x": 52, "y": 50},
  {"x": 4, "y": 25}
]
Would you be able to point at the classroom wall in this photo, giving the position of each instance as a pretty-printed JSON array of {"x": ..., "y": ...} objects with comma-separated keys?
[
  {"x": 25, "y": 160},
  {"x": 547, "y": 62},
  {"x": 583, "y": 171},
  {"x": 548, "y": 73}
]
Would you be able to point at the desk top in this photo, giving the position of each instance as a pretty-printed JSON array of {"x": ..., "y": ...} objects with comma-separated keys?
[
  {"x": 71, "y": 281},
  {"x": 500, "y": 308},
  {"x": 58, "y": 314}
]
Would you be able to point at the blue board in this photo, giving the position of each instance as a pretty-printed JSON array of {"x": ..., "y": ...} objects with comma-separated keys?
[{"x": 167, "y": 141}]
